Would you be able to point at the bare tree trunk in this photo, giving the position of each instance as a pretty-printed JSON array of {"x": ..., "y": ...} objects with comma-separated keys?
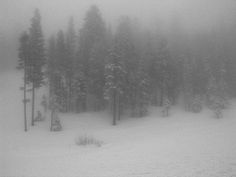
[
  {"x": 52, "y": 114},
  {"x": 114, "y": 108},
  {"x": 118, "y": 106},
  {"x": 155, "y": 99},
  {"x": 162, "y": 96},
  {"x": 25, "y": 118},
  {"x": 85, "y": 103},
  {"x": 70, "y": 95},
  {"x": 33, "y": 101},
  {"x": 162, "y": 92}
]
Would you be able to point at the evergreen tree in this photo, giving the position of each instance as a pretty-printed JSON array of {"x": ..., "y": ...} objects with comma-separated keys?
[
  {"x": 23, "y": 63},
  {"x": 70, "y": 68},
  {"x": 37, "y": 56},
  {"x": 163, "y": 69},
  {"x": 143, "y": 89},
  {"x": 91, "y": 57},
  {"x": 187, "y": 82},
  {"x": 151, "y": 56},
  {"x": 51, "y": 65},
  {"x": 79, "y": 90},
  {"x": 217, "y": 97},
  {"x": 114, "y": 85},
  {"x": 214, "y": 101},
  {"x": 61, "y": 70},
  {"x": 124, "y": 44},
  {"x": 96, "y": 75}
]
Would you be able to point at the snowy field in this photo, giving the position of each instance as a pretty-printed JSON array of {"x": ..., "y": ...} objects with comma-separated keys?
[{"x": 182, "y": 145}]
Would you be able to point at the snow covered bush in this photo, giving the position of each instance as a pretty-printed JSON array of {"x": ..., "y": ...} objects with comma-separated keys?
[{"x": 85, "y": 140}]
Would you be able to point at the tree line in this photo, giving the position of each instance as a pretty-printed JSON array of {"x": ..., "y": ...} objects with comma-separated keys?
[{"x": 126, "y": 69}]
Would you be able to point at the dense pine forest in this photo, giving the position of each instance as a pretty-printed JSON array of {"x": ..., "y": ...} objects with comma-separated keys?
[
  {"x": 125, "y": 68},
  {"x": 117, "y": 88}
]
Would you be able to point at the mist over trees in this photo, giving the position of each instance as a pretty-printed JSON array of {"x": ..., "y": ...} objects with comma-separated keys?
[
  {"x": 32, "y": 59},
  {"x": 126, "y": 69}
]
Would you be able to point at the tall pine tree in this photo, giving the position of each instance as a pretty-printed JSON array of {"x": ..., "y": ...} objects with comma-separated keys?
[
  {"x": 37, "y": 56},
  {"x": 91, "y": 55},
  {"x": 114, "y": 82},
  {"x": 70, "y": 68},
  {"x": 23, "y": 63}
]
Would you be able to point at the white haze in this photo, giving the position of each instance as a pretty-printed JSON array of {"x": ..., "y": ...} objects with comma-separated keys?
[{"x": 195, "y": 15}]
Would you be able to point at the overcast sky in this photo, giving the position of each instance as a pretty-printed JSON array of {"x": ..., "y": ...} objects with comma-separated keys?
[{"x": 15, "y": 15}]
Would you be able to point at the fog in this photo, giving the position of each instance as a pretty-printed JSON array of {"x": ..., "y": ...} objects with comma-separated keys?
[
  {"x": 195, "y": 15},
  {"x": 124, "y": 87}
]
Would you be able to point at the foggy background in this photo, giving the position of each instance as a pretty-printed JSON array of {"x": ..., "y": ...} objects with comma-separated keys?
[{"x": 195, "y": 16}]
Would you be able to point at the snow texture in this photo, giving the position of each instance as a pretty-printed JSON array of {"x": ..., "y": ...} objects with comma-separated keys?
[{"x": 181, "y": 145}]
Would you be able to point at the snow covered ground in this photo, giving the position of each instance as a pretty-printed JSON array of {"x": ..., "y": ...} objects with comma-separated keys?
[{"x": 182, "y": 145}]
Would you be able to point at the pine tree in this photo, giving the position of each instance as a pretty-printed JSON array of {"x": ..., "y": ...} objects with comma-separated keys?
[
  {"x": 37, "y": 56},
  {"x": 23, "y": 63},
  {"x": 51, "y": 65},
  {"x": 91, "y": 57},
  {"x": 70, "y": 69},
  {"x": 79, "y": 90},
  {"x": 163, "y": 69},
  {"x": 150, "y": 55},
  {"x": 61, "y": 70},
  {"x": 96, "y": 75},
  {"x": 143, "y": 89},
  {"x": 214, "y": 101},
  {"x": 124, "y": 44},
  {"x": 114, "y": 82},
  {"x": 188, "y": 81},
  {"x": 217, "y": 89}
]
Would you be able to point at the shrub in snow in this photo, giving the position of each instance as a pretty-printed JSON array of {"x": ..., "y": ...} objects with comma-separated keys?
[{"x": 87, "y": 140}]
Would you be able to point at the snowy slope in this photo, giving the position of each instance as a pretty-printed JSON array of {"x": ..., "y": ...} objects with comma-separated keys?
[{"x": 183, "y": 145}]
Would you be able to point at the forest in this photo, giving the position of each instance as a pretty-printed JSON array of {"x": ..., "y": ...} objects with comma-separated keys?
[
  {"x": 125, "y": 68},
  {"x": 118, "y": 88}
]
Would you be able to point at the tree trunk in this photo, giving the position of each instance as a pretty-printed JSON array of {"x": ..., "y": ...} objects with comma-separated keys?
[
  {"x": 84, "y": 103},
  {"x": 118, "y": 106},
  {"x": 155, "y": 99},
  {"x": 25, "y": 118},
  {"x": 52, "y": 114},
  {"x": 69, "y": 101},
  {"x": 33, "y": 101},
  {"x": 162, "y": 95},
  {"x": 114, "y": 108}
]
